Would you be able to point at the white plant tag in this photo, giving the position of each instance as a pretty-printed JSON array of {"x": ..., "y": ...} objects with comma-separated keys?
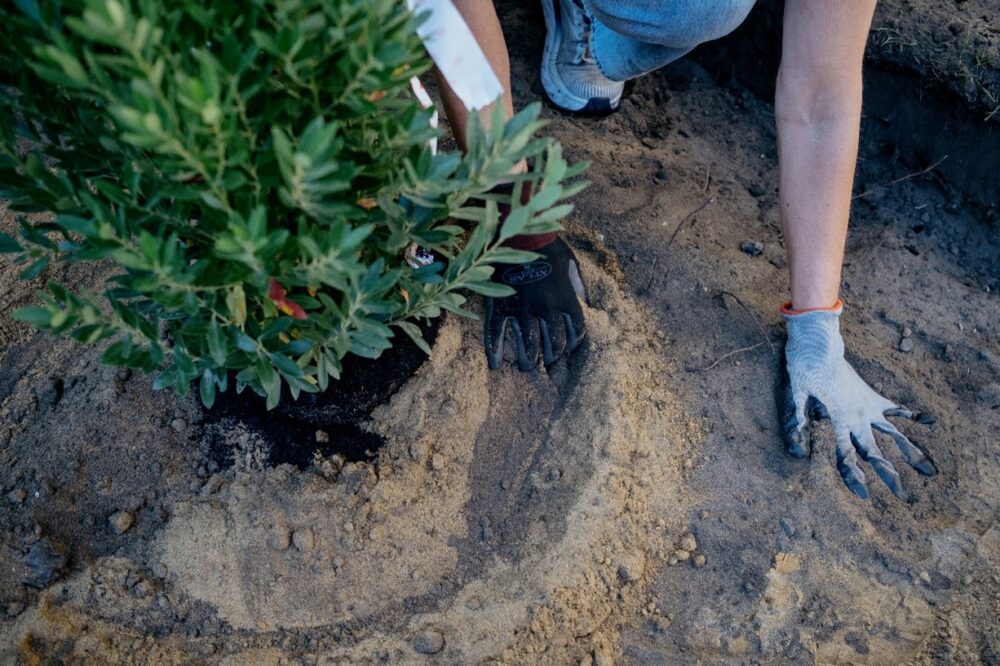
[
  {"x": 456, "y": 53},
  {"x": 425, "y": 101}
]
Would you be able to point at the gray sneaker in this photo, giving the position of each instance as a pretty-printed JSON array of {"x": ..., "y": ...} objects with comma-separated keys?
[{"x": 570, "y": 76}]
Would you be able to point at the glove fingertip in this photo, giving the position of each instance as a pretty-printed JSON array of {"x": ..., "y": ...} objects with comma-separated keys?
[
  {"x": 796, "y": 437},
  {"x": 925, "y": 467},
  {"x": 548, "y": 353},
  {"x": 853, "y": 477},
  {"x": 574, "y": 333},
  {"x": 892, "y": 481},
  {"x": 494, "y": 341},
  {"x": 859, "y": 489}
]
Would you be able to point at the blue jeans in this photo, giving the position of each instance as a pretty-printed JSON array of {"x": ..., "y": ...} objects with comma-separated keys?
[{"x": 632, "y": 37}]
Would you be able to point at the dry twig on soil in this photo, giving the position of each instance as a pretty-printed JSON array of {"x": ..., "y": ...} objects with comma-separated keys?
[
  {"x": 908, "y": 176},
  {"x": 728, "y": 355},
  {"x": 763, "y": 332},
  {"x": 704, "y": 204}
]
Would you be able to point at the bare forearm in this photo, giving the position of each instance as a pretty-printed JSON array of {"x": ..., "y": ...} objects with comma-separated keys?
[
  {"x": 818, "y": 112},
  {"x": 817, "y": 157},
  {"x": 481, "y": 18}
]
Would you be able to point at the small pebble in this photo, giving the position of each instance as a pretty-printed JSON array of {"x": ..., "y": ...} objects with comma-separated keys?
[
  {"x": 689, "y": 543},
  {"x": 348, "y": 527},
  {"x": 505, "y": 484},
  {"x": 699, "y": 560},
  {"x": 180, "y": 425},
  {"x": 338, "y": 563},
  {"x": 906, "y": 345},
  {"x": 926, "y": 577},
  {"x": 753, "y": 248},
  {"x": 625, "y": 574},
  {"x": 122, "y": 375},
  {"x": 46, "y": 563},
  {"x": 304, "y": 539},
  {"x": 213, "y": 467},
  {"x": 703, "y": 514},
  {"x": 438, "y": 462},
  {"x": 907, "y": 332},
  {"x": 428, "y": 641},
  {"x": 202, "y": 472},
  {"x": 121, "y": 521},
  {"x": 322, "y": 437},
  {"x": 787, "y": 526},
  {"x": 473, "y": 603}
]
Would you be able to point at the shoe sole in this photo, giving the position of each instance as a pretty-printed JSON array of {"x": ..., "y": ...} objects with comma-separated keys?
[{"x": 557, "y": 93}]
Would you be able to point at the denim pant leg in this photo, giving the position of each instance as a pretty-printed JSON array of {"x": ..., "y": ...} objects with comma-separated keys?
[{"x": 632, "y": 37}]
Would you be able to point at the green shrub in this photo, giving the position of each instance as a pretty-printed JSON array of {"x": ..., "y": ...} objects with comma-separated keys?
[{"x": 257, "y": 171}]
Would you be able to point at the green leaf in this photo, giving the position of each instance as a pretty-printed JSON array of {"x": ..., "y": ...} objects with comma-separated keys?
[
  {"x": 206, "y": 388},
  {"x": 35, "y": 269},
  {"x": 37, "y": 317},
  {"x": 8, "y": 244},
  {"x": 236, "y": 303},
  {"x": 508, "y": 255},
  {"x": 118, "y": 353},
  {"x": 492, "y": 289},
  {"x": 216, "y": 343},
  {"x": 30, "y": 9},
  {"x": 413, "y": 331}
]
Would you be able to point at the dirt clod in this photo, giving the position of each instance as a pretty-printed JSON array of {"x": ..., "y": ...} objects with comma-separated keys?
[
  {"x": 121, "y": 521},
  {"x": 304, "y": 539},
  {"x": 44, "y": 563},
  {"x": 428, "y": 641}
]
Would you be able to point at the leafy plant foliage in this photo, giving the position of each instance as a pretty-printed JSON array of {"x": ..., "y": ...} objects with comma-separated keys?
[{"x": 256, "y": 170}]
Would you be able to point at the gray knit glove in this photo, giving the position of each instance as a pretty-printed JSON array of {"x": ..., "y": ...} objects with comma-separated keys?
[{"x": 820, "y": 378}]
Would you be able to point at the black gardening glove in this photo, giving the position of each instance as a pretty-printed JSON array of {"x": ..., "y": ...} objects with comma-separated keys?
[{"x": 544, "y": 312}]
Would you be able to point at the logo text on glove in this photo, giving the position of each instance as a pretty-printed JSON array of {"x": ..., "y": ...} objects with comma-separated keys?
[{"x": 525, "y": 273}]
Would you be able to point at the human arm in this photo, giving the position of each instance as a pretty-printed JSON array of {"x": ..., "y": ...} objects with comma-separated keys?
[
  {"x": 543, "y": 316},
  {"x": 818, "y": 115}
]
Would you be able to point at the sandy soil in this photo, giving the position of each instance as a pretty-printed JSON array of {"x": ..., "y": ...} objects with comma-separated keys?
[{"x": 632, "y": 506}]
